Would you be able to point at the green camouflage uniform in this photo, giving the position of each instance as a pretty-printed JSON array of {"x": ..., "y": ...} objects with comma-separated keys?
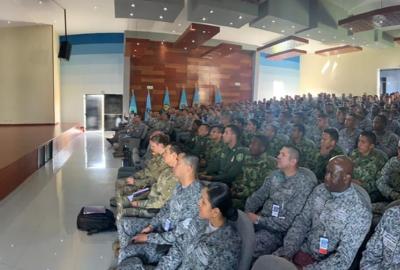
[
  {"x": 389, "y": 181},
  {"x": 275, "y": 145},
  {"x": 366, "y": 169},
  {"x": 307, "y": 152},
  {"x": 214, "y": 150},
  {"x": 199, "y": 146},
  {"x": 228, "y": 166},
  {"x": 322, "y": 161},
  {"x": 247, "y": 137},
  {"x": 255, "y": 170}
]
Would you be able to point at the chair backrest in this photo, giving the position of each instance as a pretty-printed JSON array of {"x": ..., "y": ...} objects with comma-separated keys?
[
  {"x": 272, "y": 262},
  {"x": 364, "y": 196},
  {"x": 310, "y": 174},
  {"x": 246, "y": 231},
  {"x": 392, "y": 204},
  {"x": 145, "y": 131}
]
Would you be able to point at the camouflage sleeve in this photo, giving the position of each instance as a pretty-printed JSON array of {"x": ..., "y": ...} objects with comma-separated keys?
[
  {"x": 234, "y": 169},
  {"x": 391, "y": 146},
  {"x": 161, "y": 198},
  {"x": 373, "y": 254},
  {"x": 156, "y": 222},
  {"x": 170, "y": 237},
  {"x": 257, "y": 199},
  {"x": 298, "y": 231},
  {"x": 383, "y": 181},
  {"x": 172, "y": 260},
  {"x": 350, "y": 241},
  {"x": 221, "y": 257}
]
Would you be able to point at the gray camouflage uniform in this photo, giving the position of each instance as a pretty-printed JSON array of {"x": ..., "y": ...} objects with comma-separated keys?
[
  {"x": 343, "y": 218},
  {"x": 168, "y": 224},
  {"x": 347, "y": 139},
  {"x": 389, "y": 181},
  {"x": 383, "y": 249},
  {"x": 289, "y": 194},
  {"x": 387, "y": 142}
]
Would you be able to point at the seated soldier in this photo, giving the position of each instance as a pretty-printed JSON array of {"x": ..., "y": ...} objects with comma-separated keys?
[
  {"x": 148, "y": 176},
  {"x": 152, "y": 238},
  {"x": 367, "y": 164},
  {"x": 317, "y": 130},
  {"x": 250, "y": 131},
  {"x": 328, "y": 149},
  {"x": 197, "y": 146},
  {"x": 305, "y": 146},
  {"x": 214, "y": 146},
  {"x": 349, "y": 135},
  {"x": 229, "y": 164},
  {"x": 257, "y": 165},
  {"x": 274, "y": 206},
  {"x": 385, "y": 139},
  {"x": 135, "y": 131},
  {"x": 275, "y": 141},
  {"x": 383, "y": 249},
  {"x": 332, "y": 225},
  {"x": 389, "y": 181},
  {"x": 284, "y": 125},
  {"x": 210, "y": 242},
  {"x": 161, "y": 191}
]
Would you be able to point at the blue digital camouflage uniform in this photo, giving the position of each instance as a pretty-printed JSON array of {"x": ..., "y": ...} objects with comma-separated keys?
[
  {"x": 383, "y": 249},
  {"x": 347, "y": 139},
  {"x": 280, "y": 199},
  {"x": 388, "y": 182},
  {"x": 342, "y": 218},
  {"x": 387, "y": 142}
]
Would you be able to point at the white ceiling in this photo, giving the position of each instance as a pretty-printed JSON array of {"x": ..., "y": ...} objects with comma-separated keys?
[{"x": 98, "y": 16}]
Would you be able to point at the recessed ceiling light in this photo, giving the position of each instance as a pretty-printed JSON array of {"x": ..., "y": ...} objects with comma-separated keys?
[
  {"x": 230, "y": 49},
  {"x": 185, "y": 48},
  {"x": 165, "y": 8},
  {"x": 308, "y": 35},
  {"x": 353, "y": 38},
  {"x": 179, "y": 24},
  {"x": 263, "y": 26},
  {"x": 173, "y": 31},
  {"x": 273, "y": 21},
  {"x": 319, "y": 32},
  {"x": 282, "y": 31},
  {"x": 204, "y": 32},
  {"x": 40, "y": 2},
  {"x": 132, "y": 5},
  {"x": 8, "y": 22},
  {"x": 161, "y": 17},
  {"x": 211, "y": 11},
  {"x": 351, "y": 28},
  {"x": 240, "y": 17},
  {"x": 135, "y": 50},
  {"x": 95, "y": 7},
  {"x": 293, "y": 26},
  {"x": 204, "y": 18},
  {"x": 193, "y": 41},
  {"x": 131, "y": 14},
  {"x": 137, "y": 43},
  {"x": 231, "y": 23}
]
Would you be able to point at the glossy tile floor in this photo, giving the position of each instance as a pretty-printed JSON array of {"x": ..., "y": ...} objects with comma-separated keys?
[{"x": 38, "y": 220}]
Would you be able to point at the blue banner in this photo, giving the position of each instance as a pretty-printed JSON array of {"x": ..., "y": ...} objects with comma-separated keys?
[
  {"x": 183, "y": 102},
  {"x": 133, "y": 105},
  {"x": 218, "y": 97},
  {"x": 196, "y": 97},
  {"x": 148, "y": 107},
  {"x": 166, "y": 102}
]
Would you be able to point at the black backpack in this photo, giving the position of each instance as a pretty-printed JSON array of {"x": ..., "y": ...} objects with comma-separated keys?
[
  {"x": 127, "y": 160},
  {"x": 96, "y": 222}
]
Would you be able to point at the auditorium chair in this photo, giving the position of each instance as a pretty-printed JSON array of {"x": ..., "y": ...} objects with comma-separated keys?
[{"x": 245, "y": 229}]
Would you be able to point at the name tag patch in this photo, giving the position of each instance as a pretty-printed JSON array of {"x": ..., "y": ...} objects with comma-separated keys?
[
  {"x": 323, "y": 245},
  {"x": 275, "y": 210}
]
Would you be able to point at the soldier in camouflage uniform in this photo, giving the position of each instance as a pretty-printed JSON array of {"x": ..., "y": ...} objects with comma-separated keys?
[
  {"x": 385, "y": 139},
  {"x": 332, "y": 225},
  {"x": 367, "y": 164},
  {"x": 349, "y": 135},
  {"x": 388, "y": 182},
  {"x": 160, "y": 192},
  {"x": 229, "y": 165},
  {"x": 274, "y": 206},
  {"x": 162, "y": 124},
  {"x": 199, "y": 141},
  {"x": 316, "y": 131},
  {"x": 328, "y": 149},
  {"x": 383, "y": 249},
  {"x": 250, "y": 131},
  {"x": 257, "y": 166},
  {"x": 214, "y": 146},
  {"x": 305, "y": 146},
  {"x": 275, "y": 141},
  {"x": 160, "y": 232},
  {"x": 284, "y": 124},
  {"x": 148, "y": 176}
]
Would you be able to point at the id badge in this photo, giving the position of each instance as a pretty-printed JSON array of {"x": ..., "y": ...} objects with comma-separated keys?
[
  {"x": 323, "y": 245},
  {"x": 167, "y": 225},
  {"x": 275, "y": 210}
]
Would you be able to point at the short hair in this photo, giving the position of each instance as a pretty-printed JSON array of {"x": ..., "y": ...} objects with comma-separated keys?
[
  {"x": 197, "y": 122},
  {"x": 160, "y": 139},
  {"x": 175, "y": 148},
  {"x": 274, "y": 127},
  {"x": 301, "y": 128},
  {"x": 255, "y": 123},
  {"x": 235, "y": 129},
  {"x": 218, "y": 127},
  {"x": 371, "y": 137},
  {"x": 294, "y": 152},
  {"x": 333, "y": 133},
  {"x": 383, "y": 119},
  {"x": 322, "y": 115},
  {"x": 191, "y": 161},
  {"x": 342, "y": 110},
  {"x": 263, "y": 139},
  {"x": 206, "y": 125}
]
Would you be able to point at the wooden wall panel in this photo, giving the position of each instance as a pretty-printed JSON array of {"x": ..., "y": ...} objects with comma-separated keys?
[{"x": 162, "y": 65}]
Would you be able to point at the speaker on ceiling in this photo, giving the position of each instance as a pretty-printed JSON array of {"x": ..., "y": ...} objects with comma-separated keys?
[{"x": 65, "y": 50}]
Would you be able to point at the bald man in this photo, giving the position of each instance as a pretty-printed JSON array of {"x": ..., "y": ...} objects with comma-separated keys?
[{"x": 333, "y": 224}]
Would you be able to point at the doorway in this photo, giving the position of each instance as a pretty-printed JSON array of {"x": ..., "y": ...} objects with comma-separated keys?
[
  {"x": 389, "y": 80},
  {"x": 94, "y": 111}
]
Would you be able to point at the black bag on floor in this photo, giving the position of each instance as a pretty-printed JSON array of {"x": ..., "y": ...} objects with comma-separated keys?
[
  {"x": 94, "y": 221},
  {"x": 127, "y": 160}
]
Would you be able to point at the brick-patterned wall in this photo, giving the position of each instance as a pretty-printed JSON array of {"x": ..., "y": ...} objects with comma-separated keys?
[{"x": 162, "y": 65}]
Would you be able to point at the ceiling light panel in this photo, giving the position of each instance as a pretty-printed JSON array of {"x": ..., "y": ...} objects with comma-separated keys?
[
  {"x": 286, "y": 54},
  {"x": 231, "y": 13},
  {"x": 283, "y": 16},
  {"x": 282, "y": 45},
  {"x": 155, "y": 10}
]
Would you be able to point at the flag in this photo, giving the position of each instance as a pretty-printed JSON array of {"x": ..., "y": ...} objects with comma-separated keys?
[
  {"x": 132, "y": 105},
  {"x": 218, "y": 97},
  {"x": 183, "y": 102},
  {"x": 166, "y": 103},
  {"x": 196, "y": 97},
  {"x": 148, "y": 107}
]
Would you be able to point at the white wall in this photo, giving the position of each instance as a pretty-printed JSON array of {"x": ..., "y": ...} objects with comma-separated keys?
[
  {"x": 27, "y": 77},
  {"x": 88, "y": 74}
]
